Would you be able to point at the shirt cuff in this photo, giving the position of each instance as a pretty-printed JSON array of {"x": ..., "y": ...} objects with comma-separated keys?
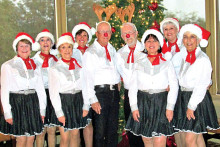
[
  {"x": 59, "y": 113},
  {"x": 192, "y": 107},
  {"x": 134, "y": 107},
  {"x": 86, "y": 107},
  {"x": 93, "y": 100},
  {"x": 42, "y": 112},
  {"x": 8, "y": 115},
  {"x": 170, "y": 106}
]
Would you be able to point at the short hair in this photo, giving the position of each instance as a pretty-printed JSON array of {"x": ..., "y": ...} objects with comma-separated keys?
[
  {"x": 101, "y": 22},
  {"x": 169, "y": 22},
  {"x": 130, "y": 24},
  {"x": 24, "y": 41}
]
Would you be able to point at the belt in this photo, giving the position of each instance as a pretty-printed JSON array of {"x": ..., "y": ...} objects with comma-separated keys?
[
  {"x": 152, "y": 91},
  {"x": 186, "y": 89},
  {"x": 25, "y": 92},
  {"x": 107, "y": 86},
  {"x": 70, "y": 91}
]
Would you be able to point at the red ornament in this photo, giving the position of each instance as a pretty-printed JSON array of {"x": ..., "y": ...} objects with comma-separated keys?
[
  {"x": 127, "y": 35},
  {"x": 153, "y": 6},
  {"x": 106, "y": 34},
  {"x": 155, "y": 26},
  {"x": 113, "y": 30}
]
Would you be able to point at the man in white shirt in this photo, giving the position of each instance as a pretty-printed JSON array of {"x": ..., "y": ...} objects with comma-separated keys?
[
  {"x": 126, "y": 56},
  {"x": 100, "y": 86}
]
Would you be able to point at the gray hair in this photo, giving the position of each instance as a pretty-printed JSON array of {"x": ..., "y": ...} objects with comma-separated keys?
[
  {"x": 130, "y": 24},
  {"x": 101, "y": 22},
  {"x": 169, "y": 22}
]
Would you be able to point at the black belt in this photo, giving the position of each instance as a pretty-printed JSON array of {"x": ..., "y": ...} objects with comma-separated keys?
[{"x": 107, "y": 86}]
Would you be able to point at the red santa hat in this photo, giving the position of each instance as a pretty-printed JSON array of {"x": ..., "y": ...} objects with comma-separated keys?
[
  {"x": 44, "y": 33},
  {"x": 66, "y": 38},
  {"x": 84, "y": 26},
  {"x": 23, "y": 35},
  {"x": 200, "y": 32},
  {"x": 172, "y": 20}
]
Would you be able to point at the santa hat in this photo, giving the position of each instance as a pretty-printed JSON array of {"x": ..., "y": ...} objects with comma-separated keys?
[
  {"x": 44, "y": 33},
  {"x": 200, "y": 32},
  {"x": 154, "y": 32},
  {"x": 65, "y": 38},
  {"x": 173, "y": 20},
  {"x": 23, "y": 35},
  {"x": 84, "y": 26}
]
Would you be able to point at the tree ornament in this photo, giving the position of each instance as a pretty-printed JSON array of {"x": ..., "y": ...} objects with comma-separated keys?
[
  {"x": 155, "y": 25},
  {"x": 153, "y": 6},
  {"x": 113, "y": 30}
]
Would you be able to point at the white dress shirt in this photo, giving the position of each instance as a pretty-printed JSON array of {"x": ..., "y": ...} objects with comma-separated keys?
[
  {"x": 16, "y": 77},
  {"x": 97, "y": 70},
  {"x": 149, "y": 77},
  {"x": 44, "y": 71},
  {"x": 196, "y": 77},
  {"x": 125, "y": 69},
  {"x": 63, "y": 80}
]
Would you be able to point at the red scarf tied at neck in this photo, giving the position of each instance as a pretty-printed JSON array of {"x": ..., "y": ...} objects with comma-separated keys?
[
  {"x": 131, "y": 54},
  {"x": 107, "y": 53},
  {"x": 82, "y": 48},
  {"x": 191, "y": 57},
  {"x": 29, "y": 65},
  {"x": 172, "y": 44},
  {"x": 71, "y": 63},
  {"x": 46, "y": 59},
  {"x": 157, "y": 59}
]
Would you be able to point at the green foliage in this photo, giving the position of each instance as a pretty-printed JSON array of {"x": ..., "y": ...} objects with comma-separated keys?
[{"x": 143, "y": 17}]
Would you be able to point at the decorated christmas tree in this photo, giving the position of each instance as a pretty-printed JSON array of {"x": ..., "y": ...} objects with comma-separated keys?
[{"x": 144, "y": 14}]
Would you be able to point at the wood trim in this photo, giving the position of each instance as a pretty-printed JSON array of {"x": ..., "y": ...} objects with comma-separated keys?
[
  {"x": 60, "y": 15},
  {"x": 211, "y": 25}
]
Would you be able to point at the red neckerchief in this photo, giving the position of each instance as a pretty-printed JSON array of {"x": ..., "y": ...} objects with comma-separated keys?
[
  {"x": 191, "y": 57},
  {"x": 46, "y": 59},
  {"x": 131, "y": 54},
  {"x": 83, "y": 49},
  {"x": 71, "y": 63},
  {"x": 29, "y": 65},
  {"x": 172, "y": 44},
  {"x": 157, "y": 59},
  {"x": 107, "y": 53}
]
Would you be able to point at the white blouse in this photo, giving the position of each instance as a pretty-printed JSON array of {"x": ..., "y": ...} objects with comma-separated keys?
[
  {"x": 149, "y": 77},
  {"x": 196, "y": 77},
  {"x": 97, "y": 70},
  {"x": 44, "y": 71},
  {"x": 77, "y": 54},
  {"x": 16, "y": 77},
  {"x": 125, "y": 69},
  {"x": 63, "y": 80}
]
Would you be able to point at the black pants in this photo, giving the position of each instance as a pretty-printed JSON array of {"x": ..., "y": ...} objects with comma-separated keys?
[
  {"x": 134, "y": 141},
  {"x": 105, "y": 125}
]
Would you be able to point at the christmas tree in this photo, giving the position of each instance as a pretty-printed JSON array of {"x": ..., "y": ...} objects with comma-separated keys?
[{"x": 144, "y": 14}]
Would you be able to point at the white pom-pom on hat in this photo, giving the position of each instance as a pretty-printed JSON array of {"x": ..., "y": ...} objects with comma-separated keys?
[{"x": 19, "y": 37}]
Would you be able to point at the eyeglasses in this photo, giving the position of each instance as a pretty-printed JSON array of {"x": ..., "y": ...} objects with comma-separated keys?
[
  {"x": 103, "y": 32},
  {"x": 130, "y": 33}
]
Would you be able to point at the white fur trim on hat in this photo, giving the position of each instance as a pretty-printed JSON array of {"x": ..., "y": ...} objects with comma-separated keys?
[
  {"x": 21, "y": 36},
  {"x": 189, "y": 28},
  {"x": 154, "y": 32},
  {"x": 173, "y": 20},
  {"x": 65, "y": 39},
  {"x": 84, "y": 27}
]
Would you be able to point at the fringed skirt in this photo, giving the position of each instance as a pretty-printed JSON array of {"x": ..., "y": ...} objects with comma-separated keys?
[
  {"x": 152, "y": 121},
  {"x": 205, "y": 114},
  {"x": 49, "y": 111},
  {"x": 72, "y": 105},
  {"x": 25, "y": 114}
]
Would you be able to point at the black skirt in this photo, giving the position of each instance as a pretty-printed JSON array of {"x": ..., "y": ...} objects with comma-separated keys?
[
  {"x": 152, "y": 121},
  {"x": 72, "y": 105},
  {"x": 25, "y": 114},
  {"x": 205, "y": 114},
  {"x": 49, "y": 111}
]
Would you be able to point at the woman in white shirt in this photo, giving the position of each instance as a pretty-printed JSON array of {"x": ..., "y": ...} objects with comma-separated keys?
[
  {"x": 65, "y": 93},
  {"x": 22, "y": 94},
  {"x": 194, "y": 112},
  {"x": 44, "y": 60},
  {"x": 152, "y": 106}
]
